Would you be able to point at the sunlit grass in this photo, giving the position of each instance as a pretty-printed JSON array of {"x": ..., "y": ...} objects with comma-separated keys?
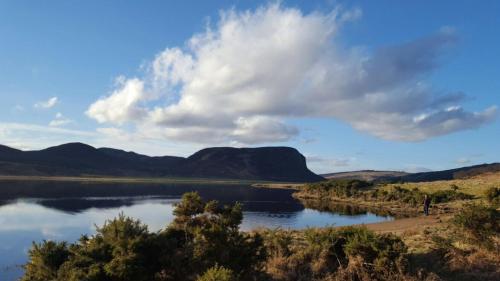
[{"x": 476, "y": 186}]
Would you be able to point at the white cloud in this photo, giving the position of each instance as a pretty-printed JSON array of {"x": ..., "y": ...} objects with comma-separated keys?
[
  {"x": 32, "y": 137},
  {"x": 60, "y": 120},
  {"x": 240, "y": 81},
  {"x": 122, "y": 105},
  {"x": 330, "y": 164},
  {"x": 46, "y": 104}
]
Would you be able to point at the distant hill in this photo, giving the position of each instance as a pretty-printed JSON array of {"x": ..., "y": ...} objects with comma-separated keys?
[
  {"x": 459, "y": 173},
  {"x": 75, "y": 159},
  {"x": 367, "y": 175},
  {"x": 272, "y": 163},
  {"x": 395, "y": 176}
]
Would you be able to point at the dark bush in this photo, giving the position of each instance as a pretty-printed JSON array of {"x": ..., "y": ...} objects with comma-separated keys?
[
  {"x": 479, "y": 222},
  {"x": 217, "y": 273},
  {"x": 444, "y": 196},
  {"x": 45, "y": 259},
  {"x": 493, "y": 195},
  {"x": 201, "y": 237},
  {"x": 337, "y": 187}
]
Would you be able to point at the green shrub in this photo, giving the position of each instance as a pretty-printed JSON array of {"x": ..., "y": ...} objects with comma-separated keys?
[
  {"x": 337, "y": 187},
  {"x": 44, "y": 260},
  {"x": 201, "y": 236},
  {"x": 443, "y": 196},
  {"x": 479, "y": 222},
  {"x": 217, "y": 273},
  {"x": 493, "y": 195}
]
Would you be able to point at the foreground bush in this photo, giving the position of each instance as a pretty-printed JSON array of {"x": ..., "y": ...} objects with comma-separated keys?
[
  {"x": 217, "y": 273},
  {"x": 493, "y": 196},
  {"x": 202, "y": 236},
  {"x": 479, "y": 223},
  {"x": 325, "y": 253}
]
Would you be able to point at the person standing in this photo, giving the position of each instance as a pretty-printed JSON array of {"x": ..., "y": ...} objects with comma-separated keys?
[{"x": 427, "y": 203}]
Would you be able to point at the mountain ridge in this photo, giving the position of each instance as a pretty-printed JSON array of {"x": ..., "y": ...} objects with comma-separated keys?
[{"x": 76, "y": 159}]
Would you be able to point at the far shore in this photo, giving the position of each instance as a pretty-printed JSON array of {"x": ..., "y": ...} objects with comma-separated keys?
[
  {"x": 109, "y": 179},
  {"x": 278, "y": 185}
]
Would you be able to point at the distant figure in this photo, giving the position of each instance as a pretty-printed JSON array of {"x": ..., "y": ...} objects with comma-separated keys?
[{"x": 427, "y": 203}]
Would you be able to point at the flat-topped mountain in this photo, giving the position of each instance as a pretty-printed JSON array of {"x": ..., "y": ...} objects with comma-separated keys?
[
  {"x": 77, "y": 159},
  {"x": 272, "y": 163}
]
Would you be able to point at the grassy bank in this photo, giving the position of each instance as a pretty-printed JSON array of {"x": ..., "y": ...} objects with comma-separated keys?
[{"x": 402, "y": 198}]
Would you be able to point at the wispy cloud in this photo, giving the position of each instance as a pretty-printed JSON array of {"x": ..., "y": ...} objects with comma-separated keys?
[
  {"x": 51, "y": 102},
  {"x": 60, "y": 120},
  {"x": 32, "y": 136},
  {"x": 330, "y": 164}
]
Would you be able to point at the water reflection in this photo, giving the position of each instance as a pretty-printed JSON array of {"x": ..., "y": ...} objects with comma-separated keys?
[{"x": 61, "y": 211}]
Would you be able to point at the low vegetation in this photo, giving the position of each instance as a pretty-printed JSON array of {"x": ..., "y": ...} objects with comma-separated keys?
[
  {"x": 204, "y": 243},
  {"x": 369, "y": 194},
  {"x": 492, "y": 194}
]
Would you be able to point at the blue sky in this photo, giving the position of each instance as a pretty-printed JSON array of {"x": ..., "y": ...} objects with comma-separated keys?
[{"x": 351, "y": 84}]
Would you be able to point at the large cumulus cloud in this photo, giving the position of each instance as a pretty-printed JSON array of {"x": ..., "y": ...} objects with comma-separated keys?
[{"x": 241, "y": 80}]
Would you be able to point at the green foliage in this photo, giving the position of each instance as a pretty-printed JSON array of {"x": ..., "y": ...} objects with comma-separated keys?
[
  {"x": 337, "y": 187},
  {"x": 190, "y": 205},
  {"x": 44, "y": 260},
  {"x": 381, "y": 250},
  {"x": 217, "y": 273},
  {"x": 202, "y": 236},
  {"x": 322, "y": 253},
  {"x": 479, "y": 222},
  {"x": 443, "y": 196},
  {"x": 493, "y": 195},
  {"x": 412, "y": 197},
  {"x": 415, "y": 197}
]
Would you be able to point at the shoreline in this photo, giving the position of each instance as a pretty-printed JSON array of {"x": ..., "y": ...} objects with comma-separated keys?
[{"x": 131, "y": 180}]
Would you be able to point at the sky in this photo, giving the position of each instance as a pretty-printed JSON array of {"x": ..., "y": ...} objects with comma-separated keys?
[{"x": 385, "y": 85}]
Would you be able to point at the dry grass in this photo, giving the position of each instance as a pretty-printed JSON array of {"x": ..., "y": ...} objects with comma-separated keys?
[{"x": 476, "y": 186}]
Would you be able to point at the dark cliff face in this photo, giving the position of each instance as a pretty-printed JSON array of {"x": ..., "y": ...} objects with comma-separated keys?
[{"x": 266, "y": 163}]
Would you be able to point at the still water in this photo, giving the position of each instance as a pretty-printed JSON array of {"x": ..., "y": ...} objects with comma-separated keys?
[{"x": 64, "y": 211}]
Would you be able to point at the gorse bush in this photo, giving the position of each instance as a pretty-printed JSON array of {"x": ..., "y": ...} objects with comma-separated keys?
[
  {"x": 443, "y": 196},
  {"x": 325, "y": 252},
  {"x": 479, "y": 223},
  {"x": 217, "y": 273},
  {"x": 493, "y": 195},
  {"x": 45, "y": 260},
  {"x": 337, "y": 187},
  {"x": 201, "y": 236}
]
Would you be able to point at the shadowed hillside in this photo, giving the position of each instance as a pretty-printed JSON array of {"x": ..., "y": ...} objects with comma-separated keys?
[{"x": 77, "y": 159}]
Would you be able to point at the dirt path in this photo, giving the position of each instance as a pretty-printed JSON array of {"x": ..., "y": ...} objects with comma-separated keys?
[{"x": 399, "y": 226}]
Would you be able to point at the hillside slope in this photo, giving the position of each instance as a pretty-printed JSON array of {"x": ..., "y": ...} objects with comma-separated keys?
[
  {"x": 76, "y": 159},
  {"x": 459, "y": 173},
  {"x": 367, "y": 175}
]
